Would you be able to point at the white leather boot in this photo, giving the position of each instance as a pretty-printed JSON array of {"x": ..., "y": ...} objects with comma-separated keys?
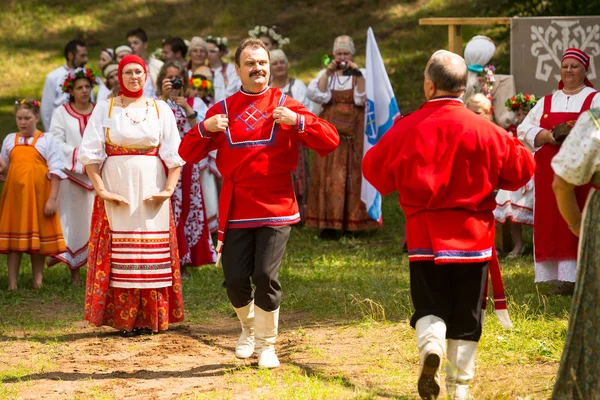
[
  {"x": 265, "y": 330},
  {"x": 460, "y": 368},
  {"x": 244, "y": 347},
  {"x": 431, "y": 340}
]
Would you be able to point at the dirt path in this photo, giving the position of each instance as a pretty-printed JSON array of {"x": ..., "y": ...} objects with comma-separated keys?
[{"x": 322, "y": 360}]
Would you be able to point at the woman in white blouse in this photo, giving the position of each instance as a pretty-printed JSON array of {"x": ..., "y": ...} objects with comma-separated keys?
[
  {"x": 578, "y": 163},
  {"x": 555, "y": 247},
  {"x": 76, "y": 194},
  {"x": 334, "y": 203},
  {"x": 129, "y": 150}
]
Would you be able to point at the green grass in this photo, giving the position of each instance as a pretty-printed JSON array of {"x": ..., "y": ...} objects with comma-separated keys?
[{"x": 355, "y": 289}]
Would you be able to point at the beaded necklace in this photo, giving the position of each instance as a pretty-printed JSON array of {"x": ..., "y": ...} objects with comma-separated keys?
[{"x": 133, "y": 121}]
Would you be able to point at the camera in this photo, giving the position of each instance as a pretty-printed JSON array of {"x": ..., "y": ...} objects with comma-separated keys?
[
  {"x": 342, "y": 65},
  {"x": 176, "y": 83}
]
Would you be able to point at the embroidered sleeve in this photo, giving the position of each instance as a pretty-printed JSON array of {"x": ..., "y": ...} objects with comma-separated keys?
[
  {"x": 314, "y": 94},
  {"x": 48, "y": 147},
  {"x": 530, "y": 127},
  {"x": 313, "y": 132},
  {"x": 359, "y": 98},
  {"x": 170, "y": 139},
  {"x": 91, "y": 150},
  {"x": 197, "y": 142},
  {"x": 58, "y": 130},
  {"x": 579, "y": 155}
]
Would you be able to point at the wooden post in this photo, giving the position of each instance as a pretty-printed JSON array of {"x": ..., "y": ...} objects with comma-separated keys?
[{"x": 455, "y": 44}]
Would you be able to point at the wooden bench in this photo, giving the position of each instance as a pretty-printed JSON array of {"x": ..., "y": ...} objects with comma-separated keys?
[{"x": 455, "y": 43}]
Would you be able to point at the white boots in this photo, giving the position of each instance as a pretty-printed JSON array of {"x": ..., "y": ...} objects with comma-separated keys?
[
  {"x": 244, "y": 347},
  {"x": 259, "y": 331},
  {"x": 431, "y": 340},
  {"x": 460, "y": 368},
  {"x": 265, "y": 328}
]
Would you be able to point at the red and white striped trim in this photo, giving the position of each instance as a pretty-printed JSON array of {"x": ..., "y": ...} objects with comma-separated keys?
[
  {"x": 578, "y": 55},
  {"x": 140, "y": 260}
]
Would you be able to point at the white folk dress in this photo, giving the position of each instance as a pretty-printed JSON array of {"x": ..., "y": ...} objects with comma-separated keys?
[
  {"x": 140, "y": 252},
  {"x": 76, "y": 193}
]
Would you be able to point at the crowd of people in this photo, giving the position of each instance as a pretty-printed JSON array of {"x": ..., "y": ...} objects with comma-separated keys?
[{"x": 134, "y": 179}]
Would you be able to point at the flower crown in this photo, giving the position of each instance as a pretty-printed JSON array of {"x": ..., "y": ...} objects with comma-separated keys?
[
  {"x": 33, "y": 103},
  {"x": 270, "y": 32},
  {"x": 200, "y": 83},
  {"x": 78, "y": 73},
  {"x": 521, "y": 101},
  {"x": 221, "y": 42}
]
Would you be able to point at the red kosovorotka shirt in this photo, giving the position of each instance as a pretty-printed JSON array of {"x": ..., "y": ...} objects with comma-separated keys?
[
  {"x": 445, "y": 161},
  {"x": 256, "y": 157}
]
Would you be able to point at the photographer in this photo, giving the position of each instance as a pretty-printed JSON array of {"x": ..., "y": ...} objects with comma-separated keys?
[
  {"x": 193, "y": 236},
  {"x": 334, "y": 203}
]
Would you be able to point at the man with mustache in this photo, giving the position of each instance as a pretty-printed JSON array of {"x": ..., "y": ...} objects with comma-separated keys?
[{"x": 256, "y": 132}]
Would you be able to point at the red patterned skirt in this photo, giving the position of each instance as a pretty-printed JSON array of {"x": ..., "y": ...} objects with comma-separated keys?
[{"x": 125, "y": 309}]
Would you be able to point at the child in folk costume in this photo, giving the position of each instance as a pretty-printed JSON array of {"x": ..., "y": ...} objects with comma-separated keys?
[
  {"x": 28, "y": 222},
  {"x": 129, "y": 150},
  {"x": 193, "y": 235},
  {"x": 76, "y": 194},
  {"x": 517, "y": 206}
]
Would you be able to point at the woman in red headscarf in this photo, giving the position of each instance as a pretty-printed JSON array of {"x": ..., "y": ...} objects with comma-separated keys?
[
  {"x": 129, "y": 150},
  {"x": 544, "y": 128}
]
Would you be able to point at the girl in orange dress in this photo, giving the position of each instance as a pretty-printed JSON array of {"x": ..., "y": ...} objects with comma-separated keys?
[{"x": 32, "y": 165}]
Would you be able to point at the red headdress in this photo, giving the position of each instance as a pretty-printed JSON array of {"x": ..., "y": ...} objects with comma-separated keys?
[
  {"x": 132, "y": 58},
  {"x": 580, "y": 56}
]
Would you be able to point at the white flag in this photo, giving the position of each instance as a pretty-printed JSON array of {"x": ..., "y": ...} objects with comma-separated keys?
[{"x": 381, "y": 110}]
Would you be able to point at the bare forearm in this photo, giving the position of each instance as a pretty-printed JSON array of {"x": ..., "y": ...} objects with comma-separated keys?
[
  {"x": 567, "y": 202},
  {"x": 360, "y": 83},
  {"x": 54, "y": 185},
  {"x": 93, "y": 172},
  {"x": 323, "y": 83},
  {"x": 172, "y": 178}
]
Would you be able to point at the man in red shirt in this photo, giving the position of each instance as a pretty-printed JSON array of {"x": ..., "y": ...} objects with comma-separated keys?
[
  {"x": 256, "y": 132},
  {"x": 445, "y": 162}
]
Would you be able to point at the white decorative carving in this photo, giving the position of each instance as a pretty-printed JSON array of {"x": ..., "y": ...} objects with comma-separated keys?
[{"x": 550, "y": 43}]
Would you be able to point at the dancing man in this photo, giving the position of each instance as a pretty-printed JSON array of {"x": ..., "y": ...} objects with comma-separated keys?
[
  {"x": 256, "y": 132},
  {"x": 445, "y": 162}
]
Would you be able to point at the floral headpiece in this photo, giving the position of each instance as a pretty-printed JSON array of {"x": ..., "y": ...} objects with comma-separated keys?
[
  {"x": 521, "y": 101},
  {"x": 198, "y": 82},
  {"x": 33, "y": 103},
  {"x": 271, "y": 32},
  {"x": 486, "y": 81},
  {"x": 78, "y": 73},
  {"x": 220, "y": 42}
]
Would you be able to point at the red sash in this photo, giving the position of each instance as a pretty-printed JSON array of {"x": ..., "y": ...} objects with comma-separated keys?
[{"x": 553, "y": 240}]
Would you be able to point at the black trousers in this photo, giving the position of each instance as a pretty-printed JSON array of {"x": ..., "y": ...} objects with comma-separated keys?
[
  {"x": 254, "y": 253},
  {"x": 451, "y": 292}
]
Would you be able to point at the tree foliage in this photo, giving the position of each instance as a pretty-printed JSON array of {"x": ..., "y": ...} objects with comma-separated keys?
[{"x": 535, "y": 8}]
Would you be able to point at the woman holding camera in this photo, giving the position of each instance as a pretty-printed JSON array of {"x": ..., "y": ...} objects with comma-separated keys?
[
  {"x": 193, "y": 234},
  {"x": 546, "y": 125},
  {"x": 334, "y": 203}
]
